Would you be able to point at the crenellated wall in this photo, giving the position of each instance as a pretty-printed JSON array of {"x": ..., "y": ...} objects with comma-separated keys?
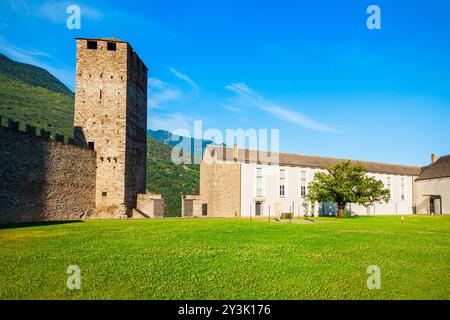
[{"x": 43, "y": 178}]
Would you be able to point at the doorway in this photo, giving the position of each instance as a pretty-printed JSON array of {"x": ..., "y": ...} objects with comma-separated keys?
[
  {"x": 188, "y": 208},
  {"x": 435, "y": 205},
  {"x": 258, "y": 208}
]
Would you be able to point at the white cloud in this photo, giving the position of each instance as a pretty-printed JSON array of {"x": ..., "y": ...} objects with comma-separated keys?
[
  {"x": 170, "y": 122},
  {"x": 33, "y": 56},
  {"x": 233, "y": 109},
  {"x": 251, "y": 97},
  {"x": 55, "y": 11},
  {"x": 18, "y": 5},
  {"x": 185, "y": 78},
  {"x": 161, "y": 92},
  {"x": 156, "y": 83}
]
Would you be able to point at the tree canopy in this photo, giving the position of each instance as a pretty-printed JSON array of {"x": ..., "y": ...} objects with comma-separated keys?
[{"x": 346, "y": 182}]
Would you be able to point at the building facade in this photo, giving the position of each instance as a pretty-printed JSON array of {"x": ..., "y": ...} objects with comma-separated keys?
[
  {"x": 111, "y": 118},
  {"x": 433, "y": 187},
  {"x": 244, "y": 183}
]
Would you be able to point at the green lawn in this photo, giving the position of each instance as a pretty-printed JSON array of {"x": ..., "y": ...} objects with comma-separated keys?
[{"x": 228, "y": 259}]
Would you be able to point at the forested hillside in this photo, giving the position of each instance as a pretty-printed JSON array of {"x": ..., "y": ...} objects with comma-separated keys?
[{"x": 33, "y": 96}]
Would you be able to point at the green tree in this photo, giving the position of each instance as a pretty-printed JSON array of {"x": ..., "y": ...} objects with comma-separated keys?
[{"x": 346, "y": 182}]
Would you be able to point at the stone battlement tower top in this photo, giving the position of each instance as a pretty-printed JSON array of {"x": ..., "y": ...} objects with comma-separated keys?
[{"x": 111, "y": 118}]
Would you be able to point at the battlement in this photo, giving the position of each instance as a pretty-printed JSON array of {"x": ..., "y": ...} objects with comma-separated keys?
[{"x": 14, "y": 125}]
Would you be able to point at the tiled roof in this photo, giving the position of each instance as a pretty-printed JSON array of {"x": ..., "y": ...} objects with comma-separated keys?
[
  {"x": 299, "y": 160},
  {"x": 439, "y": 169}
]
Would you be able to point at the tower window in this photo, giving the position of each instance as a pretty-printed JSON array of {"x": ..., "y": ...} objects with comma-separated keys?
[
  {"x": 111, "y": 46},
  {"x": 92, "y": 45},
  {"x": 90, "y": 145},
  {"x": 104, "y": 194}
]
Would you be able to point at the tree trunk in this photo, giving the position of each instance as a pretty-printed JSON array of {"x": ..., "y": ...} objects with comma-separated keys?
[{"x": 341, "y": 209}]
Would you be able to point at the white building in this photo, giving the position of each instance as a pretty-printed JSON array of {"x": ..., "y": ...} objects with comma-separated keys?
[{"x": 244, "y": 183}]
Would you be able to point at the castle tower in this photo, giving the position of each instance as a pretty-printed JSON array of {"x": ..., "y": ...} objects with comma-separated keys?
[{"x": 111, "y": 118}]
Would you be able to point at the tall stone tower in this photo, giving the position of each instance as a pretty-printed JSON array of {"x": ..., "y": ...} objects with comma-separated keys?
[{"x": 111, "y": 118}]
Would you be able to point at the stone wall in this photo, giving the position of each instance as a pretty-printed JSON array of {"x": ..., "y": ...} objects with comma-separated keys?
[
  {"x": 43, "y": 179},
  {"x": 191, "y": 206},
  {"x": 111, "y": 115},
  {"x": 432, "y": 187},
  {"x": 149, "y": 206},
  {"x": 136, "y": 141},
  {"x": 220, "y": 188}
]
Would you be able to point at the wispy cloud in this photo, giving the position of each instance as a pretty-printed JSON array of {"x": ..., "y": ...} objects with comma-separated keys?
[
  {"x": 54, "y": 11},
  {"x": 253, "y": 98},
  {"x": 161, "y": 93},
  {"x": 170, "y": 122},
  {"x": 232, "y": 109},
  {"x": 18, "y": 4},
  {"x": 185, "y": 78},
  {"x": 36, "y": 57}
]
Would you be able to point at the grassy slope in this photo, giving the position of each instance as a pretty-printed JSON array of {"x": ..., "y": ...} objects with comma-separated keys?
[
  {"x": 209, "y": 259},
  {"x": 36, "y": 106},
  {"x": 32, "y": 75},
  {"x": 169, "y": 179},
  {"x": 26, "y": 95}
]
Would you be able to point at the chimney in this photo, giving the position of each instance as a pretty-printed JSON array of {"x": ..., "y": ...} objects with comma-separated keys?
[
  {"x": 434, "y": 158},
  {"x": 235, "y": 152}
]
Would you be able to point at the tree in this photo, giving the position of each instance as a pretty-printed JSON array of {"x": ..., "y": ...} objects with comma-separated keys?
[{"x": 346, "y": 182}]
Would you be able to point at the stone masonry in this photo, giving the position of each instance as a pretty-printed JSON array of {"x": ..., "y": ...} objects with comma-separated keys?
[
  {"x": 101, "y": 173},
  {"x": 44, "y": 179},
  {"x": 111, "y": 118}
]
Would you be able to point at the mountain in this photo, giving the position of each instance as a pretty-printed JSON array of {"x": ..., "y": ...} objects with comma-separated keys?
[
  {"x": 196, "y": 146},
  {"x": 35, "y": 76},
  {"x": 33, "y": 96},
  {"x": 169, "y": 179}
]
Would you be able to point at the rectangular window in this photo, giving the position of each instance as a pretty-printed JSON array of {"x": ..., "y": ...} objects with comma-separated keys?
[
  {"x": 111, "y": 46},
  {"x": 282, "y": 182},
  {"x": 403, "y": 189},
  {"x": 92, "y": 45},
  {"x": 388, "y": 183},
  {"x": 302, "y": 183},
  {"x": 259, "y": 182},
  {"x": 104, "y": 194}
]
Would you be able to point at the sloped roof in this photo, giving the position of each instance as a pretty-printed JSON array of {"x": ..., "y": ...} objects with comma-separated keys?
[
  {"x": 439, "y": 169},
  {"x": 112, "y": 39},
  {"x": 299, "y": 160}
]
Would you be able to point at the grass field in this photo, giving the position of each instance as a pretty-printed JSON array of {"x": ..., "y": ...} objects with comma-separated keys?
[{"x": 228, "y": 259}]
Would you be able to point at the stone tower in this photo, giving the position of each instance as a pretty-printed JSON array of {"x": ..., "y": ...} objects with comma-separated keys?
[{"x": 111, "y": 118}]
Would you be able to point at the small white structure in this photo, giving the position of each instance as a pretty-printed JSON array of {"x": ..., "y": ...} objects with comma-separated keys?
[
  {"x": 433, "y": 187},
  {"x": 148, "y": 206}
]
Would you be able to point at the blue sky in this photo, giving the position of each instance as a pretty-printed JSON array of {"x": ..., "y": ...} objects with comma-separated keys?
[{"x": 311, "y": 69}]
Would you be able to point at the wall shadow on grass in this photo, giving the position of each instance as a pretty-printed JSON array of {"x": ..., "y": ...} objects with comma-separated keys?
[{"x": 13, "y": 225}]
